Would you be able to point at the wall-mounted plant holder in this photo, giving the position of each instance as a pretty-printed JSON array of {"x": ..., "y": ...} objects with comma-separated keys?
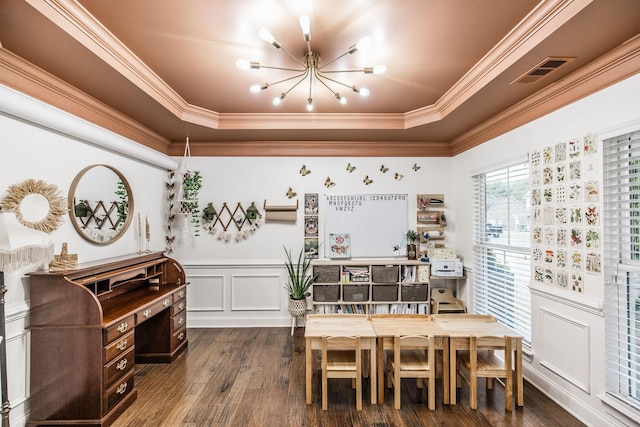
[
  {"x": 100, "y": 216},
  {"x": 281, "y": 213},
  {"x": 226, "y": 218}
]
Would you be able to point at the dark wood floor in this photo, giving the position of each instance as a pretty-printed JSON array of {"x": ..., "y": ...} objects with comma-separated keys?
[{"x": 255, "y": 377}]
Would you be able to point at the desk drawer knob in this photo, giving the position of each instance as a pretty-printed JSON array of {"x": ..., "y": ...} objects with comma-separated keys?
[
  {"x": 122, "y": 344},
  {"x": 147, "y": 312},
  {"x": 122, "y": 327},
  {"x": 181, "y": 321},
  {"x": 181, "y": 336},
  {"x": 166, "y": 302},
  {"x": 122, "y": 365},
  {"x": 122, "y": 388},
  {"x": 181, "y": 294},
  {"x": 181, "y": 306}
]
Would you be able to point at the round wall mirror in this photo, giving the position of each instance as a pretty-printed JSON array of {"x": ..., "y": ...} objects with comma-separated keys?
[{"x": 100, "y": 204}]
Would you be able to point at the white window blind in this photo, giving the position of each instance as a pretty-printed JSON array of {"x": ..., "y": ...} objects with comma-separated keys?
[
  {"x": 621, "y": 218},
  {"x": 502, "y": 264}
]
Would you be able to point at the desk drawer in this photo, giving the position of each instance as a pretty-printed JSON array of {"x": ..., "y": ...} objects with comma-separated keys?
[
  {"x": 118, "y": 347},
  {"x": 119, "y": 391},
  {"x": 152, "y": 309},
  {"x": 179, "y": 321},
  {"x": 120, "y": 328},
  {"x": 179, "y": 294},
  {"x": 178, "y": 337},
  {"x": 178, "y": 306},
  {"x": 118, "y": 367}
]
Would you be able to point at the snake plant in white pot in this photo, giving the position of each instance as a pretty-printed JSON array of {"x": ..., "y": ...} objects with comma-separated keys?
[{"x": 300, "y": 280}]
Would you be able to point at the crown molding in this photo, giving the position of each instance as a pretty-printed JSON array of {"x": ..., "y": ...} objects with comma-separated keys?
[
  {"x": 31, "y": 80},
  {"x": 311, "y": 120},
  {"x": 615, "y": 66},
  {"x": 313, "y": 149},
  {"x": 546, "y": 18},
  {"x": 81, "y": 25}
]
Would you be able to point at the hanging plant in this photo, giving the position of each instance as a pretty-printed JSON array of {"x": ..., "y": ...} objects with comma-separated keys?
[
  {"x": 123, "y": 202},
  {"x": 191, "y": 185}
]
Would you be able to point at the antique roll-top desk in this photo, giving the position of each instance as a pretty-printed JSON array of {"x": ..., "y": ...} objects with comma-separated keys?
[{"x": 90, "y": 326}]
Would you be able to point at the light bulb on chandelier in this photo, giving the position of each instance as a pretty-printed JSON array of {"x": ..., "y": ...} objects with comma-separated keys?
[{"x": 311, "y": 68}]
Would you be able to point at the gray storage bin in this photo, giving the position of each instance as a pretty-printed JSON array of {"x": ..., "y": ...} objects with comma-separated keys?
[
  {"x": 414, "y": 292},
  {"x": 385, "y": 292},
  {"x": 326, "y": 293},
  {"x": 355, "y": 293},
  {"x": 385, "y": 273},
  {"x": 327, "y": 273}
]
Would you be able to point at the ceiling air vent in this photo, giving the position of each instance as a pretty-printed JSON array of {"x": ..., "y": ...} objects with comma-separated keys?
[{"x": 543, "y": 69}]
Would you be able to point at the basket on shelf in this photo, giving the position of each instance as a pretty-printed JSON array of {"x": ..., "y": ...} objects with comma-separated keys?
[{"x": 64, "y": 261}]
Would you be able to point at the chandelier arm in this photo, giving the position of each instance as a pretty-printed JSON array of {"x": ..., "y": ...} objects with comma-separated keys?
[
  {"x": 320, "y": 75},
  {"x": 292, "y": 57},
  {"x": 283, "y": 69},
  {"x": 344, "y": 71},
  {"x": 334, "y": 60},
  {"x": 320, "y": 78},
  {"x": 302, "y": 75}
]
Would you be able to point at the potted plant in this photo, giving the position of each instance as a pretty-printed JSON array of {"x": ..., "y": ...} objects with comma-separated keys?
[
  {"x": 82, "y": 209},
  {"x": 300, "y": 280},
  {"x": 412, "y": 251},
  {"x": 191, "y": 184}
]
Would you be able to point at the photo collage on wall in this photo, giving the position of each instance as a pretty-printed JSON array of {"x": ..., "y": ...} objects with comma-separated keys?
[
  {"x": 566, "y": 209},
  {"x": 311, "y": 242}
]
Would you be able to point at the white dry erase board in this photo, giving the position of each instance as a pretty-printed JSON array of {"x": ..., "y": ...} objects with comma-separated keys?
[{"x": 376, "y": 223}]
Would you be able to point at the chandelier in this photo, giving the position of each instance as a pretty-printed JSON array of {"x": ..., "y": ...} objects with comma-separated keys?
[{"x": 311, "y": 67}]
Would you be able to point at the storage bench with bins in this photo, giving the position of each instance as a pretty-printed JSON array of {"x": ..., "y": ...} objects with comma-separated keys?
[{"x": 346, "y": 286}]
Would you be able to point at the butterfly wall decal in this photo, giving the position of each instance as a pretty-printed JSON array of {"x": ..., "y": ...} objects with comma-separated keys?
[
  {"x": 170, "y": 185},
  {"x": 398, "y": 176},
  {"x": 416, "y": 167},
  {"x": 170, "y": 239},
  {"x": 367, "y": 181},
  {"x": 328, "y": 183},
  {"x": 350, "y": 168},
  {"x": 304, "y": 171},
  {"x": 383, "y": 169},
  {"x": 291, "y": 194}
]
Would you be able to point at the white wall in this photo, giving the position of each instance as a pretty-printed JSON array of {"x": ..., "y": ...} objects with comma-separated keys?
[
  {"x": 31, "y": 151},
  {"x": 240, "y": 283},
  {"x": 572, "y": 374}
]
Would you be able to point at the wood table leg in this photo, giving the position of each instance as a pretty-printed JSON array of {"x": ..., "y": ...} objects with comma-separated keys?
[
  {"x": 452, "y": 373},
  {"x": 380, "y": 378},
  {"x": 519, "y": 380},
  {"x": 446, "y": 383},
  {"x": 372, "y": 379},
  {"x": 309, "y": 371}
]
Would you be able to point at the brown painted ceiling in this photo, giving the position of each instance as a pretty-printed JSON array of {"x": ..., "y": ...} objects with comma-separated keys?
[{"x": 170, "y": 65}]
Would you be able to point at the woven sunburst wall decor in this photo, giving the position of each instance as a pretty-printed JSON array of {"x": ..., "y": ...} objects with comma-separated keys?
[{"x": 57, "y": 204}]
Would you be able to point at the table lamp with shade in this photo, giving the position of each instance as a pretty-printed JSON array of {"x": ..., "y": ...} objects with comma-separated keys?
[{"x": 20, "y": 246}]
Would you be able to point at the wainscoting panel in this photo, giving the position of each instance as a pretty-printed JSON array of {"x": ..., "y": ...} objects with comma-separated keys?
[
  {"x": 205, "y": 292},
  {"x": 236, "y": 294},
  {"x": 257, "y": 292},
  {"x": 565, "y": 348}
]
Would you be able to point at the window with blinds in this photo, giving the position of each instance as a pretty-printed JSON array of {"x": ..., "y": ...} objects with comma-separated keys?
[
  {"x": 502, "y": 265},
  {"x": 621, "y": 218}
]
